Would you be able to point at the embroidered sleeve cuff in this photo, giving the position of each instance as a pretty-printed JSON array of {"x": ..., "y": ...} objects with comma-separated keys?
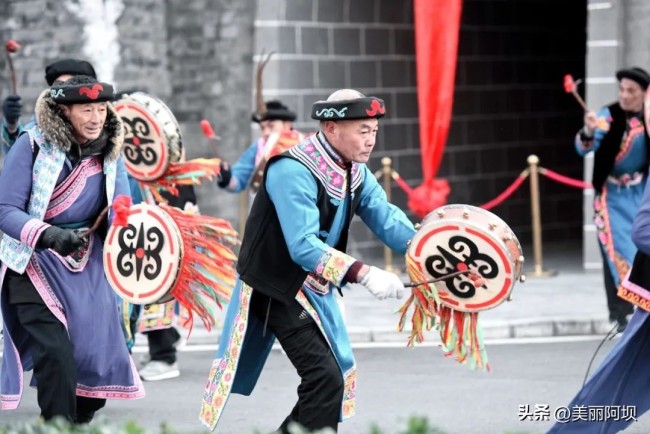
[
  {"x": 32, "y": 232},
  {"x": 333, "y": 265}
]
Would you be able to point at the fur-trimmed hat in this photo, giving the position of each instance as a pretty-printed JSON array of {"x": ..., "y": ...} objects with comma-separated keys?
[
  {"x": 82, "y": 89},
  {"x": 68, "y": 66}
]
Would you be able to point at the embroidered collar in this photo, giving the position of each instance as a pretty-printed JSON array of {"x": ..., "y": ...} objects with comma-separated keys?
[
  {"x": 331, "y": 151},
  {"x": 320, "y": 160}
]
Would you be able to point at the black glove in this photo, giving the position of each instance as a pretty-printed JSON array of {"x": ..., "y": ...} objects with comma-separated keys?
[
  {"x": 62, "y": 241},
  {"x": 12, "y": 108},
  {"x": 224, "y": 175}
]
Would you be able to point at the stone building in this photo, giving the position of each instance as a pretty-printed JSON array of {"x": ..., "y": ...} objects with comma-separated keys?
[{"x": 198, "y": 56}]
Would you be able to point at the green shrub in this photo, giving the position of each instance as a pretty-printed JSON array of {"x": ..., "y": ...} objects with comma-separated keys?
[{"x": 415, "y": 425}]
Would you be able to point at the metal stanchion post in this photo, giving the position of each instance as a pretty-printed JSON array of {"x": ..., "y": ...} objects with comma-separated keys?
[
  {"x": 387, "y": 172},
  {"x": 538, "y": 270}
]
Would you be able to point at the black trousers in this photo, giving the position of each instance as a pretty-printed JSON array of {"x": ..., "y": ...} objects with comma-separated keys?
[
  {"x": 320, "y": 392},
  {"x": 54, "y": 366},
  {"x": 618, "y": 308},
  {"x": 161, "y": 344}
]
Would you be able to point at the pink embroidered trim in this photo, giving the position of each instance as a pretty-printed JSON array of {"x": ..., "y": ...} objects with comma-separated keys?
[
  {"x": 313, "y": 155},
  {"x": 316, "y": 284},
  {"x": 638, "y": 290},
  {"x": 66, "y": 193},
  {"x": 32, "y": 231},
  {"x": 626, "y": 146},
  {"x": 70, "y": 263},
  {"x": 223, "y": 370},
  {"x": 348, "y": 407},
  {"x": 601, "y": 221},
  {"x": 11, "y": 402},
  {"x": 115, "y": 392},
  {"x": 43, "y": 287},
  {"x": 333, "y": 264}
]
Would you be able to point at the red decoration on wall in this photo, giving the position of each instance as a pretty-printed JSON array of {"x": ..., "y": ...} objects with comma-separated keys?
[{"x": 437, "y": 24}]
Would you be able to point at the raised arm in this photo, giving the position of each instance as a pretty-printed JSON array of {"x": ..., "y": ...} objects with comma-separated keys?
[
  {"x": 591, "y": 135},
  {"x": 242, "y": 171}
]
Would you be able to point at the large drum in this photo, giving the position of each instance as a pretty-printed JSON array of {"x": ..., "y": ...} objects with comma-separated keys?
[
  {"x": 460, "y": 237},
  {"x": 152, "y": 137},
  {"x": 142, "y": 260}
]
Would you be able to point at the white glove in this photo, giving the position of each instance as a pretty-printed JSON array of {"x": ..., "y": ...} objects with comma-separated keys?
[{"x": 383, "y": 284}]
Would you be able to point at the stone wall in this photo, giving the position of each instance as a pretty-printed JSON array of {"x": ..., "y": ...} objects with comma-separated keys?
[
  {"x": 197, "y": 55},
  {"x": 508, "y": 104}
]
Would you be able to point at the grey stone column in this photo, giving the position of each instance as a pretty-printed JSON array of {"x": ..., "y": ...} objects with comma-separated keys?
[
  {"x": 618, "y": 35},
  {"x": 604, "y": 57}
]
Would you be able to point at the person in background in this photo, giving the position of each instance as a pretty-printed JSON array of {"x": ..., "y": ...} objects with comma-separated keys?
[{"x": 617, "y": 135}]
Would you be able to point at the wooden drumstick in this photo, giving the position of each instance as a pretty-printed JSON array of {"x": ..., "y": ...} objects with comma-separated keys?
[
  {"x": 121, "y": 205},
  {"x": 11, "y": 47},
  {"x": 571, "y": 87},
  {"x": 98, "y": 221},
  {"x": 439, "y": 279},
  {"x": 208, "y": 132}
]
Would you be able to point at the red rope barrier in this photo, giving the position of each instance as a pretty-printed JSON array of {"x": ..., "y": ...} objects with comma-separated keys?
[
  {"x": 564, "y": 179},
  {"x": 401, "y": 183},
  {"x": 507, "y": 192}
]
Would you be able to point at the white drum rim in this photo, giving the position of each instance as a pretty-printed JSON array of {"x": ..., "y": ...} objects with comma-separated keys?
[
  {"x": 129, "y": 295},
  {"x": 151, "y": 107},
  {"x": 515, "y": 270}
]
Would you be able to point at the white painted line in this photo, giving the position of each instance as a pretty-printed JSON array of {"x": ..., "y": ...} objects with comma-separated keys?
[
  {"x": 601, "y": 80},
  {"x": 603, "y": 43},
  {"x": 428, "y": 344},
  {"x": 599, "y": 6}
]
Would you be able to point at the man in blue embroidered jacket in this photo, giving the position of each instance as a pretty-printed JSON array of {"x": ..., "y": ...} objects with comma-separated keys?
[
  {"x": 617, "y": 135},
  {"x": 12, "y": 107},
  {"x": 59, "y": 312},
  {"x": 293, "y": 259}
]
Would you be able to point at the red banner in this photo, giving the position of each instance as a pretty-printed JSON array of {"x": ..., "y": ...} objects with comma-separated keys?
[{"x": 437, "y": 25}]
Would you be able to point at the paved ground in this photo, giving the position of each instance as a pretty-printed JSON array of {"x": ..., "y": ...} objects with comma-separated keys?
[{"x": 570, "y": 303}]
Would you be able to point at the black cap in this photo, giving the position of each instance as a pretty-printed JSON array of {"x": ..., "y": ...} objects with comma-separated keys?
[
  {"x": 275, "y": 111},
  {"x": 636, "y": 74},
  {"x": 68, "y": 66}
]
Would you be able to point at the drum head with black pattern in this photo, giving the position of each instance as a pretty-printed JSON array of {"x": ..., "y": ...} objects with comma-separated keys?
[
  {"x": 142, "y": 259},
  {"x": 460, "y": 237}
]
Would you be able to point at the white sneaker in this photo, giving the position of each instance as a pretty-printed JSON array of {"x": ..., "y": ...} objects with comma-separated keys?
[
  {"x": 156, "y": 371},
  {"x": 146, "y": 357}
]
